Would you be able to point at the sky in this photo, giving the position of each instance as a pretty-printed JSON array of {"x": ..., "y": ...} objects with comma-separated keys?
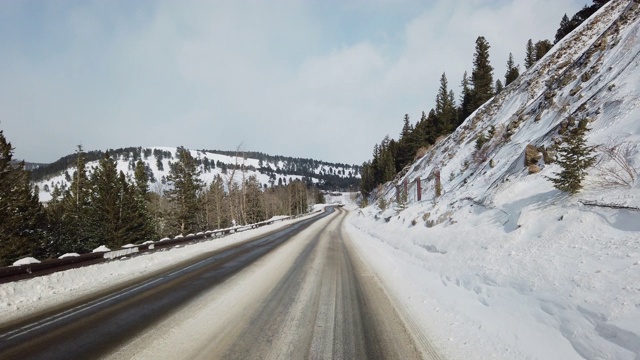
[{"x": 316, "y": 79}]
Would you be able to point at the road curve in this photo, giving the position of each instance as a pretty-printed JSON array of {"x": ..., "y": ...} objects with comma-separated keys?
[
  {"x": 96, "y": 326},
  {"x": 302, "y": 293}
]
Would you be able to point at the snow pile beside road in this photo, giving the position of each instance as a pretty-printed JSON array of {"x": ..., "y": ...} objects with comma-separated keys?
[
  {"x": 563, "y": 283},
  {"x": 26, "y": 261},
  {"x": 101, "y": 248}
]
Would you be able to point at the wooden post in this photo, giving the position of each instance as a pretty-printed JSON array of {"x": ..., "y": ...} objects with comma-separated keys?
[{"x": 419, "y": 189}]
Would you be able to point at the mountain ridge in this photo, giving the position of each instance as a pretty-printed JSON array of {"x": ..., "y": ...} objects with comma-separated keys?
[{"x": 270, "y": 170}]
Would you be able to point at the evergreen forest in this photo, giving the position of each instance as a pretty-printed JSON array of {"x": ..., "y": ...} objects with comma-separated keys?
[{"x": 107, "y": 207}]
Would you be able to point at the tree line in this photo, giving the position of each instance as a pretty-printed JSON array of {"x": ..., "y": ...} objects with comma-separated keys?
[
  {"x": 390, "y": 156},
  {"x": 567, "y": 24},
  {"x": 344, "y": 178},
  {"x": 107, "y": 207}
]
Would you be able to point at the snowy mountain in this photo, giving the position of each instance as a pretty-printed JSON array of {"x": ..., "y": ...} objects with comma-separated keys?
[
  {"x": 269, "y": 170},
  {"x": 502, "y": 263}
]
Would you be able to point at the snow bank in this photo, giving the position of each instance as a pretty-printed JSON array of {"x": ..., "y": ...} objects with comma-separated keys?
[
  {"x": 279, "y": 217},
  {"x": 562, "y": 283},
  {"x": 26, "y": 261},
  {"x": 101, "y": 248}
]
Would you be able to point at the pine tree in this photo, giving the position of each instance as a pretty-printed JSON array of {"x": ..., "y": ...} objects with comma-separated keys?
[
  {"x": 452, "y": 113},
  {"x": 566, "y": 26},
  {"x": 254, "y": 201},
  {"x": 142, "y": 178},
  {"x": 432, "y": 126},
  {"x": 407, "y": 128},
  {"x": 318, "y": 196},
  {"x": 530, "y": 57},
  {"x": 575, "y": 157},
  {"x": 421, "y": 130},
  {"x": 367, "y": 180},
  {"x": 499, "y": 86},
  {"x": 482, "y": 74},
  {"x": 21, "y": 215},
  {"x": 76, "y": 204},
  {"x": 425, "y": 130},
  {"x": 183, "y": 193},
  {"x": 55, "y": 230},
  {"x": 141, "y": 204},
  {"x": 465, "y": 99},
  {"x": 542, "y": 48},
  {"x": 134, "y": 224},
  {"x": 445, "y": 108},
  {"x": 512, "y": 71},
  {"x": 376, "y": 160},
  {"x": 104, "y": 213},
  {"x": 217, "y": 215},
  {"x": 406, "y": 149},
  {"x": 387, "y": 161}
]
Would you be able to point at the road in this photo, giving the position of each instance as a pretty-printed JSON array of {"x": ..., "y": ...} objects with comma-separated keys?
[{"x": 298, "y": 293}]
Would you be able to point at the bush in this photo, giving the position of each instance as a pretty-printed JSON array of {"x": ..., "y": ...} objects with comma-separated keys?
[
  {"x": 382, "y": 204},
  {"x": 422, "y": 152},
  {"x": 402, "y": 200},
  {"x": 613, "y": 167}
]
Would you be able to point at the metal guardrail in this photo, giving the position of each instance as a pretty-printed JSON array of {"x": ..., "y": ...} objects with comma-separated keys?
[{"x": 14, "y": 273}]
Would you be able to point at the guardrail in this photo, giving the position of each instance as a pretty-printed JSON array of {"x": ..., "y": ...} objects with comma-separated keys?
[{"x": 14, "y": 273}]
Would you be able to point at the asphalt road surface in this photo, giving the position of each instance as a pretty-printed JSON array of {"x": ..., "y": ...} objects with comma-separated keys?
[{"x": 297, "y": 293}]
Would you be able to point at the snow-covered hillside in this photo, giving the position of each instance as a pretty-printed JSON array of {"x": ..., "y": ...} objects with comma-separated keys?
[
  {"x": 158, "y": 160},
  {"x": 503, "y": 265}
]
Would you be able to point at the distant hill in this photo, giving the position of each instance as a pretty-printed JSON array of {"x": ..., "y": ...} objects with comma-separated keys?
[
  {"x": 29, "y": 166},
  {"x": 271, "y": 170}
]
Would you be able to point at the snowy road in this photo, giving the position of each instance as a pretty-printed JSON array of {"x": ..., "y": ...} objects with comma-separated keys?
[{"x": 302, "y": 292}]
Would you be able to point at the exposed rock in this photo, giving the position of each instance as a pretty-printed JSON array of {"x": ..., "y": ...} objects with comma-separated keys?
[
  {"x": 531, "y": 155},
  {"x": 575, "y": 90}
]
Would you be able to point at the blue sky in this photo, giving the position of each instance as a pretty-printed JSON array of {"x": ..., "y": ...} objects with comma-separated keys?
[{"x": 320, "y": 79}]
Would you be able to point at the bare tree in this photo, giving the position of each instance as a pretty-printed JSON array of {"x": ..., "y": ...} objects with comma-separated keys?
[
  {"x": 230, "y": 177},
  {"x": 243, "y": 189},
  {"x": 614, "y": 168}
]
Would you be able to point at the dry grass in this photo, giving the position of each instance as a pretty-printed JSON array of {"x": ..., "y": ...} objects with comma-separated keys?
[{"x": 422, "y": 152}]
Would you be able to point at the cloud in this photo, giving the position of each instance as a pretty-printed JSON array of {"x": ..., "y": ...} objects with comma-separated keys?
[{"x": 322, "y": 80}]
